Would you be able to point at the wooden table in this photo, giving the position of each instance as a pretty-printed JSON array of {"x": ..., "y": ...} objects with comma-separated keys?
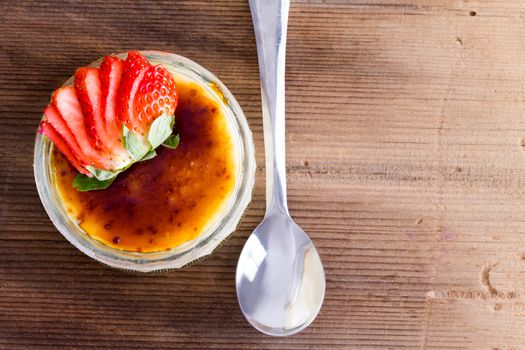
[{"x": 405, "y": 159}]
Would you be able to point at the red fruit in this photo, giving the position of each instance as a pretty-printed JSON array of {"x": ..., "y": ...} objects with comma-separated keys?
[
  {"x": 135, "y": 67},
  {"x": 155, "y": 96},
  {"x": 85, "y": 121},
  {"x": 52, "y": 117},
  {"x": 48, "y": 130},
  {"x": 87, "y": 88},
  {"x": 110, "y": 76},
  {"x": 66, "y": 103}
]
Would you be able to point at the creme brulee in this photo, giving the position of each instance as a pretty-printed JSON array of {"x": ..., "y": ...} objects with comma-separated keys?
[{"x": 164, "y": 202}]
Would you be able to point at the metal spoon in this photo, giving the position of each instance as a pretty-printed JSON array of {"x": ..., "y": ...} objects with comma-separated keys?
[{"x": 280, "y": 278}]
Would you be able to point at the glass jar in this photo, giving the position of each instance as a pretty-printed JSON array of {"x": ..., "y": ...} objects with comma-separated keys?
[{"x": 212, "y": 236}]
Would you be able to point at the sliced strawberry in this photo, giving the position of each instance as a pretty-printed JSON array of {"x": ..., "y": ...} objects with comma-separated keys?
[
  {"x": 66, "y": 103},
  {"x": 110, "y": 77},
  {"x": 52, "y": 116},
  {"x": 48, "y": 130},
  {"x": 155, "y": 96},
  {"x": 91, "y": 96},
  {"x": 88, "y": 90},
  {"x": 85, "y": 121},
  {"x": 135, "y": 67}
]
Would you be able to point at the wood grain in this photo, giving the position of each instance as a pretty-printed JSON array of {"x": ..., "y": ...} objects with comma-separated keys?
[{"x": 406, "y": 164}]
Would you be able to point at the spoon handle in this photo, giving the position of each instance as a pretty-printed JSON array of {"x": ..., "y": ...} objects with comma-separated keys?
[{"x": 270, "y": 21}]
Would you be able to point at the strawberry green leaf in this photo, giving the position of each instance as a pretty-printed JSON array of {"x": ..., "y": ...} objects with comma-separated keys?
[
  {"x": 160, "y": 130},
  {"x": 172, "y": 141},
  {"x": 101, "y": 175},
  {"x": 134, "y": 144},
  {"x": 150, "y": 155},
  {"x": 83, "y": 183}
]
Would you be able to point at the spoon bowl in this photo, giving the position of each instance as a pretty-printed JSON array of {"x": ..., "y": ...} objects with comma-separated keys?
[{"x": 280, "y": 278}]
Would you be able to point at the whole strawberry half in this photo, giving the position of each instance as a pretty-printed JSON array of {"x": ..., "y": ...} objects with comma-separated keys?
[
  {"x": 155, "y": 96},
  {"x": 146, "y": 92}
]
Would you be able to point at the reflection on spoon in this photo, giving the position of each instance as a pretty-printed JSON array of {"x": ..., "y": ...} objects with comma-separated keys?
[
  {"x": 280, "y": 278},
  {"x": 307, "y": 291}
]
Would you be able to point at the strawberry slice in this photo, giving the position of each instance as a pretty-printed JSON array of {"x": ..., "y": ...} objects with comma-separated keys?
[
  {"x": 155, "y": 96},
  {"x": 52, "y": 117},
  {"x": 110, "y": 76},
  {"x": 66, "y": 103},
  {"x": 88, "y": 90},
  {"x": 92, "y": 97},
  {"x": 135, "y": 67},
  {"x": 48, "y": 130}
]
